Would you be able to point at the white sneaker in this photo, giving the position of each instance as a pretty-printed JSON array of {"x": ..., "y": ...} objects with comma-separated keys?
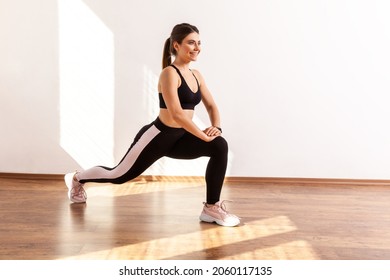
[
  {"x": 217, "y": 213},
  {"x": 76, "y": 192}
]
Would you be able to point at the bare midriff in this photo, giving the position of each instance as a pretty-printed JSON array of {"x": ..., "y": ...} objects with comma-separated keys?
[{"x": 168, "y": 120}]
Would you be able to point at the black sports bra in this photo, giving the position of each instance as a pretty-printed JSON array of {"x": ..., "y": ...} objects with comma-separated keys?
[{"x": 188, "y": 98}]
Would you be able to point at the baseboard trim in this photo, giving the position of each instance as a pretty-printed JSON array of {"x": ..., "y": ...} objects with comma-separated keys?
[
  {"x": 31, "y": 176},
  {"x": 229, "y": 179},
  {"x": 307, "y": 181}
]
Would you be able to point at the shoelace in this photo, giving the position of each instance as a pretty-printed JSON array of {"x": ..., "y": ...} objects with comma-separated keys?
[
  {"x": 79, "y": 191},
  {"x": 221, "y": 207}
]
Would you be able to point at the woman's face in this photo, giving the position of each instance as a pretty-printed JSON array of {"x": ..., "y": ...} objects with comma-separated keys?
[{"x": 189, "y": 48}]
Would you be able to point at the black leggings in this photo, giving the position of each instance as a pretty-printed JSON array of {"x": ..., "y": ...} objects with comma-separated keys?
[{"x": 157, "y": 140}]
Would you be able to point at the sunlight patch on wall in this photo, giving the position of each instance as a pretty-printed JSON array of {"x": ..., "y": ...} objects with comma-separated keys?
[
  {"x": 86, "y": 62},
  {"x": 150, "y": 88}
]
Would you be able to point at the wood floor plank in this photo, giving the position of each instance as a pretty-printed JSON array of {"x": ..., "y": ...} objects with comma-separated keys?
[{"x": 159, "y": 220}]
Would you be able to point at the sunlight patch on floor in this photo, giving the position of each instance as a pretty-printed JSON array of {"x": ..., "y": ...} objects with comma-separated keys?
[
  {"x": 284, "y": 251},
  {"x": 208, "y": 239}
]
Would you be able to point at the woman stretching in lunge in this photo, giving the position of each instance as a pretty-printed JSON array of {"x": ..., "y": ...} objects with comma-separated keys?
[{"x": 173, "y": 134}]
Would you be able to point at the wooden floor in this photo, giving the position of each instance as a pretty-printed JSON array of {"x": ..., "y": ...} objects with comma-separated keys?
[{"x": 159, "y": 220}]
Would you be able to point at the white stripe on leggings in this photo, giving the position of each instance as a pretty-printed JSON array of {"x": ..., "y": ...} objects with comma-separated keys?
[{"x": 102, "y": 173}]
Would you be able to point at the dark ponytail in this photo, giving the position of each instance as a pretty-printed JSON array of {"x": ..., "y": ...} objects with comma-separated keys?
[
  {"x": 167, "y": 59},
  {"x": 179, "y": 32}
]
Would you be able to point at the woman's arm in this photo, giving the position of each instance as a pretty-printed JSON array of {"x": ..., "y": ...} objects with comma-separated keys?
[
  {"x": 169, "y": 84},
  {"x": 211, "y": 108}
]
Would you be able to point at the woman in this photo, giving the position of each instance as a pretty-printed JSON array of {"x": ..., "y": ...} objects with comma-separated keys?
[{"x": 173, "y": 133}]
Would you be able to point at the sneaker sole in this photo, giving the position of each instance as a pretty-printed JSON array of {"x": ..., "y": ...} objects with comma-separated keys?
[
  {"x": 68, "y": 182},
  {"x": 208, "y": 219}
]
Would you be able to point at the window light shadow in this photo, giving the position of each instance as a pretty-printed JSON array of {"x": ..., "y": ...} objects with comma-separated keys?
[
  {"x": 86, "y": 62},
  {"x": 213, "y": 238}
]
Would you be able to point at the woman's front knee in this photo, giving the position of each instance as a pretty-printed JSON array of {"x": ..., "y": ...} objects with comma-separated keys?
[{"x": 220, "y": 145}]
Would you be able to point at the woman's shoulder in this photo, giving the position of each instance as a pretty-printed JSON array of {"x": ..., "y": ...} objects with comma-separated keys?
[
  {"x": 168, "y": 71},
  {"x": 169, "y": 75}
]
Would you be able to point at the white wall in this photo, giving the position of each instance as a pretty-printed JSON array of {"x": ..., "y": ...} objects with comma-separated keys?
[{"x": 302, "y": 85}]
